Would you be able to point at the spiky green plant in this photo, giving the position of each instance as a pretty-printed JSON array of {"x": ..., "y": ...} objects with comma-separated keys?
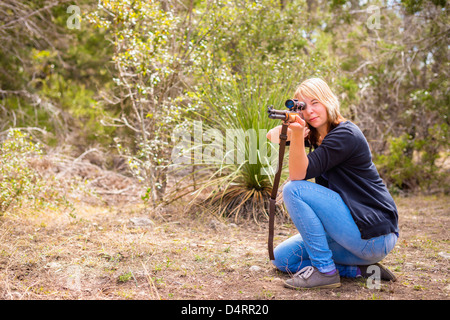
[{"x": 240, "y": 184}]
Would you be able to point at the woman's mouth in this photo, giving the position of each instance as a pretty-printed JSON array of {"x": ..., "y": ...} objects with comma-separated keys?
[{"x": 313, "y": 119}]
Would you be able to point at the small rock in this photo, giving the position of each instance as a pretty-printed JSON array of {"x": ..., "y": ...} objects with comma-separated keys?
[
  {"x": 255, "y": 269},
  {"x": 444, "y": 255},
  {"x": 216, "y": 225},
  {"x": 141, "y": 222},
  {"x": 53, "y": 265},
  {"x": 16, "y": 295}
]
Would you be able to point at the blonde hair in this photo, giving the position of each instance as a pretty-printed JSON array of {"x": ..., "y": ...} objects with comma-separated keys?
[{"x": 316, "y": 88}]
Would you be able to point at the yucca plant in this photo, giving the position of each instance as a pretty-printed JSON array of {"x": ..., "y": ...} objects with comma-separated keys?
[{"x": 238, "y": 181}]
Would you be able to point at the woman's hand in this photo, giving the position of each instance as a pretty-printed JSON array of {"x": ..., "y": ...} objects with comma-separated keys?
[
  {"x": 297, "y": 132},
  {"x": 299, "y": 125},
  {"x": 298, "y": 161},
  {"x": 274, "y": 134}
]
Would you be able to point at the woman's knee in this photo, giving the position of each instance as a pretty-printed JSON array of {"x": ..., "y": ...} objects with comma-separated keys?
[
  {"x": 290, "y": 254},
  {"x": 294, "y": 188},
  {"x": 281, "y": 263}
]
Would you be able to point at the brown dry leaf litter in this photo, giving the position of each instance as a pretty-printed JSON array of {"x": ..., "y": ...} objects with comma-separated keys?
[{"x": 121, "y": 252}]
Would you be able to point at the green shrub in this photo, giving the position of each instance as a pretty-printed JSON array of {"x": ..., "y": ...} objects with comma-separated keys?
[
  {"x": 409, "y": 165},
  {"x": 238, "y": 182},
  {"x": 20, "y": 184}
]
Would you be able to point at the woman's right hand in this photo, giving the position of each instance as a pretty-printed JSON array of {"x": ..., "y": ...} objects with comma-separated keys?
[
  {"x": 298, "y": 125},
  {"x": 274, "y": 134}
]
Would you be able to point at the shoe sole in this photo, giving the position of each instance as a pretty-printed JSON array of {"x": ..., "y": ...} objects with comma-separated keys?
[
  {"x": 325, "y": 286},
  {"x": 392, "y": 276}
]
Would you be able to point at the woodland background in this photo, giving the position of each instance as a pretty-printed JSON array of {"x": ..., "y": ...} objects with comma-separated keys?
[
  {"x": 107, "y": 83},
  {"x": 109, "y": 110}
]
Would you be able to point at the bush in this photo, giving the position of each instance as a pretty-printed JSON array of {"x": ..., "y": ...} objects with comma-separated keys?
[
  {"x": 409, "y": 166},
  {"x": 20, "y": 184}
]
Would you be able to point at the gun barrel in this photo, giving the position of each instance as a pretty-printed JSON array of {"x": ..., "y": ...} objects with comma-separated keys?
[
  {"x": 271, "y": 110},
  {"x": 281, "y": 116},
  {"x": 286, "y": 115}
]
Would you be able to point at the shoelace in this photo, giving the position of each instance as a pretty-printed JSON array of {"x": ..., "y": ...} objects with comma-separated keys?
[{"x": 305, "y": 273}]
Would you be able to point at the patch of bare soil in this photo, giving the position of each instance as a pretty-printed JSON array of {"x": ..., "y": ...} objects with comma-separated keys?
[{"x": 122, "y": 252}]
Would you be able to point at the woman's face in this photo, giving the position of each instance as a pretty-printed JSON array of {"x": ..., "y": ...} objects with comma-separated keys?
[{"x": 315, "y": 113}]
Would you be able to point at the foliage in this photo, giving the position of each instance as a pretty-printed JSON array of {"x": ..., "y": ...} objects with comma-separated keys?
[
  {"x": 152, "y": 58},
  {"x": 257, "y": 60},
  {"x": 20, "y": 184},
  {"x": 398, "y": 93},
  {"x": 407, "y": 165},
  {"x": 240, "y": 170},
  {"x": 49, "y": 75},
  {"x": 137, "y": 69}
]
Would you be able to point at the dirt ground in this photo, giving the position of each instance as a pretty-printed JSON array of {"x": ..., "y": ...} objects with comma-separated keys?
[{"x": 107, "y": 253}]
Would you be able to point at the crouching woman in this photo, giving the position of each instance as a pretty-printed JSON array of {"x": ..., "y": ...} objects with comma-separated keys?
[{"x": 347, "y": 220}]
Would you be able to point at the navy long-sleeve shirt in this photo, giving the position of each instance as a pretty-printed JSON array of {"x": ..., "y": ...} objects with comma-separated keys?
[{"x": 343, "y": 163}]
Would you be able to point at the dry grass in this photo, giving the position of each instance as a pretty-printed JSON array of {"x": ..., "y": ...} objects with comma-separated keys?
[{"x": 100, "y": 254}]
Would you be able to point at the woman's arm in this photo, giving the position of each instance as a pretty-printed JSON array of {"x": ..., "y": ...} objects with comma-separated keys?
[
  {"x": 298, "y": 161},
  {"x": 274, "y": 134}
]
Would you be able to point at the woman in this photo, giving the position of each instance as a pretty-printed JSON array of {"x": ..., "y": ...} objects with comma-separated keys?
[{"x": 347, "y": 220}]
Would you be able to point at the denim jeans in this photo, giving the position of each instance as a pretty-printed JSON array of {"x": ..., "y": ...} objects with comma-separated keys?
[{"x": 329, "y": 237}]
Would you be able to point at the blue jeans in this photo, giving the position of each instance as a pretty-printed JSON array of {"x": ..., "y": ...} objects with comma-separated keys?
[{"x": 329, "y": 237}]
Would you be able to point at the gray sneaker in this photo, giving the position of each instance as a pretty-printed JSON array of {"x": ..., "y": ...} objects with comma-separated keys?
[{"x": 310, "y": 277}]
